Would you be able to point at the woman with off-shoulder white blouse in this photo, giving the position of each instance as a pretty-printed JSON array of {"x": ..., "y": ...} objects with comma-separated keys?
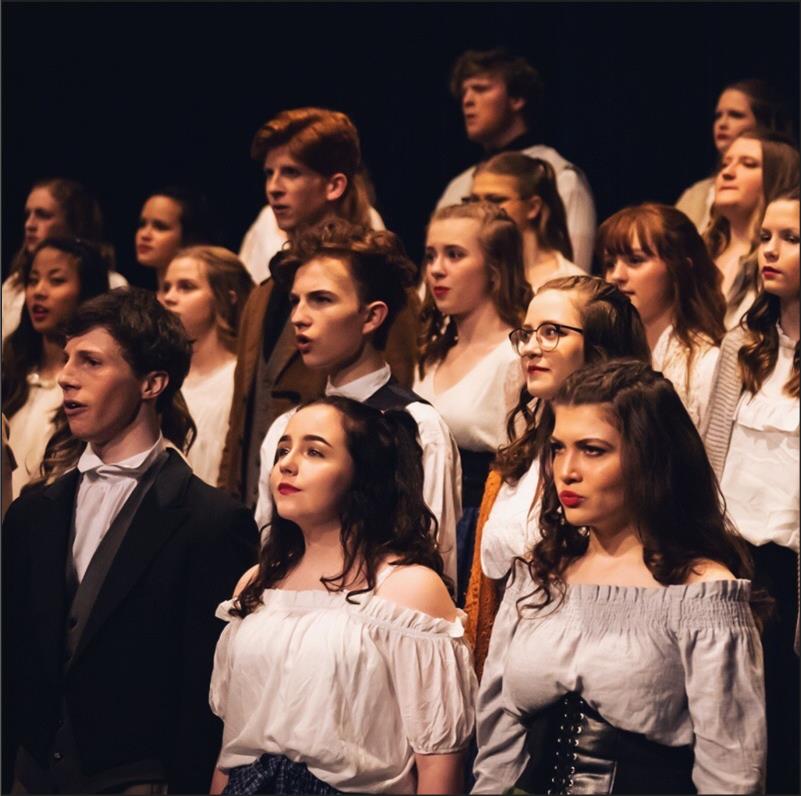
[
  {"x": 626, "y": 655},
  {"x": 344, "y": 665}
]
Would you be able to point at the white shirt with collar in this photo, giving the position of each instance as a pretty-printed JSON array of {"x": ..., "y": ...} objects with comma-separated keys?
[
  {"x": 102, "y": 492},
  {"x": 442, "y": 470}
]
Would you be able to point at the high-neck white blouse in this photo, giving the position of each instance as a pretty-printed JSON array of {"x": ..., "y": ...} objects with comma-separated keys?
[{"x": 353, "y": 690}]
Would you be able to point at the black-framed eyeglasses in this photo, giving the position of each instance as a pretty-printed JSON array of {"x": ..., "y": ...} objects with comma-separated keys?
[{"x": 548, "y": 335}]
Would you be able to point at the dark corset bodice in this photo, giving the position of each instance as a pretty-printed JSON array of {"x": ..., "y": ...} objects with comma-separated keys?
[{"x": 574, "y": 750}]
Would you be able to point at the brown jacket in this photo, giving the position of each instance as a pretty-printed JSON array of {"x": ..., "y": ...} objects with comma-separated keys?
[
  {"x": 292, "y": 381},
  {"x": 483, "y": 594}
]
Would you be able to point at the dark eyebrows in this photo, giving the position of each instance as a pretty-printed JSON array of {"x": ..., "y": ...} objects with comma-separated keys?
[
  {"x": 307, "y": 438},
  {"x": 594, "y": 441}
]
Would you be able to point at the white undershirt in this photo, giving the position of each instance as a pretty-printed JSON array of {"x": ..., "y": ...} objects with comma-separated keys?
[{"x": 102, "y": 492}]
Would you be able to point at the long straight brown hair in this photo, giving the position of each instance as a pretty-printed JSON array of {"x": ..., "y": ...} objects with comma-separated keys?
[
  {"x": 664, "y": 232},
  {"x": 502, "y": 247}
]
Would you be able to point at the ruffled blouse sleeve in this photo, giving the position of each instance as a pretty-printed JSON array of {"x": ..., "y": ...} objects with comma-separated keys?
[
  {"x": 501, "y": 736},
  {"x": 221, "y": 674},
  {"x": 431, "y": 669},
  {"x": 722, "y": 657}
]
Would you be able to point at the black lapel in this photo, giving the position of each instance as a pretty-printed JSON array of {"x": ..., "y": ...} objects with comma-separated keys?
[
  {"x": 162, "y": 511},
  {"x": 50, "y": 533}
]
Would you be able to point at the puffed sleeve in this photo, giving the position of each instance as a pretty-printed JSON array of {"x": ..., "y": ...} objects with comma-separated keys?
[
  {"x": 502, "y": 754},
  {"x": 442, "y": 479},
  {"x": 221, "y": 674},
  {"x": 724, "y": 679},
  {"x": 432, "y": 673}
]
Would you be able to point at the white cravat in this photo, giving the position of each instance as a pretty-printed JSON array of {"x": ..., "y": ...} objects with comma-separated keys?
[{"x": 102, "y": 492}]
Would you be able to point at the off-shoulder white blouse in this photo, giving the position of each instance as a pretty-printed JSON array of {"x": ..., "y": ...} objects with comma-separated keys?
[
  {"x": 681, "y": 665},
  {"x": 353, "y": 690}
]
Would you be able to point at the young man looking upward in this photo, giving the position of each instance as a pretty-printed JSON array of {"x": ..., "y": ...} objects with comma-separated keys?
[
  {"x": 112, "y": 573},
  {"x": 310, "y": 157},
  {"x": 346, "y": 285},
  {"x": 501, "y": 97}
]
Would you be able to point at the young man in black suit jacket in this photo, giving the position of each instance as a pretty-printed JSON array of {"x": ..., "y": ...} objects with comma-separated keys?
[{"x": 113, "y": 572}]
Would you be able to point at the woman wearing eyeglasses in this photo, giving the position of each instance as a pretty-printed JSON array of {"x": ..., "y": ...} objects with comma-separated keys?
[
  {"x": 571, "y": 321},
  {"x": 656, "y": 256},
  {"x": 525, "y": 188},
  {"x": 476, "y": 293}
]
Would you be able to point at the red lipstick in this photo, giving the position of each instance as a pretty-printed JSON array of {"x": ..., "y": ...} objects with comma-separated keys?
[
  {"x": 570, "y": 499},
  {"x": 287, "y": 489}
]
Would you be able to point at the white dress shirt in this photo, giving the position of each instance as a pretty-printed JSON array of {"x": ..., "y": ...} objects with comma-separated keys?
[
  {"x": 760, "y": 478},
  {"x": 442, "y": 470},
  {"x": 102, "y": 492}
]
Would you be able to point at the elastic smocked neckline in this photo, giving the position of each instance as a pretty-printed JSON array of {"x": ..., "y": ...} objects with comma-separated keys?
[
  {"x": 738, "y": 589},
  {"x": 368, "y": 608}
]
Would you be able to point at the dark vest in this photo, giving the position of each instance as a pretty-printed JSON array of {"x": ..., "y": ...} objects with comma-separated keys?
[
  {"x": 393, "y": 395},
  {"x": 63, "y": 773}
]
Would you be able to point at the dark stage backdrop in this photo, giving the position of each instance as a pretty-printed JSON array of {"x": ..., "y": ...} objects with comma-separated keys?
[{"x": 124, "y": 97}]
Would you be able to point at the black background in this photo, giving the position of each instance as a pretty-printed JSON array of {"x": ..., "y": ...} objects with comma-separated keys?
[{"x": 124, "y": 97}]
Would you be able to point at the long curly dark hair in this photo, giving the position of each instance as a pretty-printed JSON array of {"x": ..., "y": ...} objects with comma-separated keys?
[
  {"x": 383, "y": 514},
  {"x": 758, "y": 356},
  {"x": 612, "y": 328},
  {"x": 670, "y": 489}
]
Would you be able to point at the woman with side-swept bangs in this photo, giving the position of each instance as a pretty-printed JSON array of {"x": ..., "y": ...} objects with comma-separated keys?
[{"x": 655, "y": 256}]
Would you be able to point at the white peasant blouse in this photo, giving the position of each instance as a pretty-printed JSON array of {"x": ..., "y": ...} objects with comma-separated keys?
[{"x": 351, "y": 689}]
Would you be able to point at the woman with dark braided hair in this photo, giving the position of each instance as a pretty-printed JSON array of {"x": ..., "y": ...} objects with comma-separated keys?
[
  {"x": 752, "y": 441},
  {"x": 344, "y": 666},
  {"x": 570, "y": 321},
  {"x": 625, "y": 657}
]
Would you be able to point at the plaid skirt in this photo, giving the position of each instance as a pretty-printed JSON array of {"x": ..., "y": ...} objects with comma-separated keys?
[{"x": 275, "y": 774}]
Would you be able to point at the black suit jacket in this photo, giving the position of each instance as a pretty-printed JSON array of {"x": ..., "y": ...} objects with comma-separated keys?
[{"x": 137, "y": 686}]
